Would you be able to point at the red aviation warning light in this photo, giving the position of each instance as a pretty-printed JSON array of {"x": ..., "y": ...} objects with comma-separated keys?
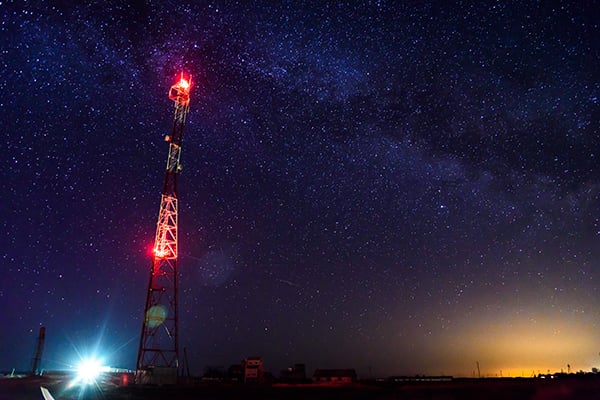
[
  {"x": 180, "y": 92},
  {"x": 185, "y": 83},
  {"x": 159, "y": 341}
]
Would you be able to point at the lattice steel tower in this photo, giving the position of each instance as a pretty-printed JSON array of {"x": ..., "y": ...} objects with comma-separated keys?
[{"x": 159, "y": 341}]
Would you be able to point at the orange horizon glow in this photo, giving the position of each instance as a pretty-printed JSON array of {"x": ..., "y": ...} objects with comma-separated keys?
[
  {"x": 522, "y": 346},
  {"x": 541, "y": 339}
]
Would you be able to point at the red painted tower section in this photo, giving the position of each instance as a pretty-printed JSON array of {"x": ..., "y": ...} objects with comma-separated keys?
[{"x": 158, "y": 354}]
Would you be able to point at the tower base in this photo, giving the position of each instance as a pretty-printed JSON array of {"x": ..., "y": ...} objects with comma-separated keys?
[{"x": 156, "y": 376}]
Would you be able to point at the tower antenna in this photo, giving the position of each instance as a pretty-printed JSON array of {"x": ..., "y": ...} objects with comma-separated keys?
[{"x": 158, "y": 354}]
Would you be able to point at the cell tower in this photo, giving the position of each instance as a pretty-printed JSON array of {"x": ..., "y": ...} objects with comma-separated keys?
[{"x": 159, "y": 341}]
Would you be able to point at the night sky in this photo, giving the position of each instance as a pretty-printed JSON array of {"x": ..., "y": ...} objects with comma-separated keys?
[{"x": 397, "y": 187}]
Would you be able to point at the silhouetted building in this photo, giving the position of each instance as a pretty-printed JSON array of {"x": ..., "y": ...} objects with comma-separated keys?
[
  {"x": 295, "y": 374},
  {"x": 254, "y": 370},
  {"x": 235, "y": 373},
  {"x": 214, "y": 374},
  {"x": 334, "y": 375}
]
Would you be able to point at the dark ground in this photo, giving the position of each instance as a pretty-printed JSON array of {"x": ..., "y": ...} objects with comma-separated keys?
[{"x": 581, "y": 388}]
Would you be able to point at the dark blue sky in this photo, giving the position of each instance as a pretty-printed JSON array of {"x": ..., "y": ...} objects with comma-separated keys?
[{"x": 397, "y": 188}]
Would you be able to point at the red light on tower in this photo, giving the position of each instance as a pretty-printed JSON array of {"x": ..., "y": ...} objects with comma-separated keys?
[
  {"x": 184, "y": 83},
  {"x": 180, "y": 92}
]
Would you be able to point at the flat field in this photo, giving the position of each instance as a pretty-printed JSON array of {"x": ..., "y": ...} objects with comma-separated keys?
[{"x": 580, "y": 388}]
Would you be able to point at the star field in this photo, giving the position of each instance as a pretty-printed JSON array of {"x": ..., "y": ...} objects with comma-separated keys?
[{"x": 397, "y": 188}]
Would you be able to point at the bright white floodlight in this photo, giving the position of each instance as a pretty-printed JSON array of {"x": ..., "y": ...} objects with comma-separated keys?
[{"x": 88, "y": 370}]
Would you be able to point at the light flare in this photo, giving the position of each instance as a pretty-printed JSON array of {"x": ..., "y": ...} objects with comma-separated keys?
[
  {"x": 184, "y": 83},
  {"x": 89, "y": 370}
]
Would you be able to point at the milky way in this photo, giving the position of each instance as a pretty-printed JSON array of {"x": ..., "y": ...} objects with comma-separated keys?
[{"x": 397, "y": 188}]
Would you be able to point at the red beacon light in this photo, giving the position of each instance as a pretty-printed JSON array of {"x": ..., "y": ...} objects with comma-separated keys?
[
  {"x": 180, "y": 92},
  {"x": 183, "y": 83},
  {"x": 160, "y": 253}
]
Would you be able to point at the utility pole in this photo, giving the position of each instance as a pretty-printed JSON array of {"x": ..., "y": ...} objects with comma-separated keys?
[{"x": 39, "y": 349}]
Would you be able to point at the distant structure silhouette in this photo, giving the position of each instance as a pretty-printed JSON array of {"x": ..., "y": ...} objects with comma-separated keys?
[{"x": 39, "y": 349}]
